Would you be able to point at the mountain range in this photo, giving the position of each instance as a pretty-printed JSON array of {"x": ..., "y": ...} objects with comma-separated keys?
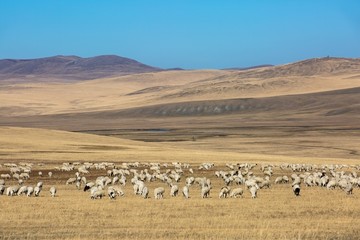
[{"x": 72, "y": 67}]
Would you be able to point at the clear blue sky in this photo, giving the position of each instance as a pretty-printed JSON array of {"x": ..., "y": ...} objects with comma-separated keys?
[{"x": 182, "y": 33}]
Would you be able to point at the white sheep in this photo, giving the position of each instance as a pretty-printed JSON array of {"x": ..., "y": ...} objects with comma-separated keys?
[
  {"x": 296, "y": 189},
  {"x": 185, "y": 191},
  {"x": 71, "y": 181},
  {"x": 24, "y": 176},
  {"x": 5, "y": 176},
  {"x": 50, "y": 174},
  {"x": 174, "y": 190},
  {"x": 29, "y": 191},
  {"x": 88, "y": 186},
  {"x": 224, "y": 192},
  {"x": 253, "y": 191},
  {"x": 12, "y": 190},
  {"x": 349, "y": 188},
  {"x": 145, "y": 192},
  {"x": 159, "y": 193},
  {"x": 205, "y": 192},
  {"x": 98, "y": 194},
  {"x": 22, "y": 190},
  {"x": 118, "y": 190},
  {"x": 37, "y": 191},
  {"x": 52, "y": 191},
  {"x": 237, "y": 192},
  {"x": 111, "y": 193}
]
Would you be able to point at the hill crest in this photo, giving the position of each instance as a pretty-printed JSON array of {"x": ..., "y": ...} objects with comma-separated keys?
[{"x": 72, "y": 67}]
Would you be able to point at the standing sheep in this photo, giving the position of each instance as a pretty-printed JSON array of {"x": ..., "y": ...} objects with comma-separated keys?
[
  {"x": 237, "y": 192},
  {"x": 30, "y": 191},
  {"x": 174, "y": 190},
  {"x": 205, "y": 192},
  {"x": 37, "y": 191},
  {"x": 224, "y": 192},
  {"x": 52, "y": 191},
  {"x": 98, "y": 194},
  {"x": 185, "y": 191},
  {"x": 253, "y": 191},
  {"x": 159, "y": 192},
  {"x": 145, "y": 192}
]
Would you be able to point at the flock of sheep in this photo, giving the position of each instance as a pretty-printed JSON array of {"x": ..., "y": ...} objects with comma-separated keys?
[{"x": 234, "y": 178}]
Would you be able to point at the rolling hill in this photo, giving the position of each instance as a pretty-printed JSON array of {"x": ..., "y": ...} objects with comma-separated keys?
[
  {"x": 71, "y": 67},
  {"x": 298, "y": 109}
]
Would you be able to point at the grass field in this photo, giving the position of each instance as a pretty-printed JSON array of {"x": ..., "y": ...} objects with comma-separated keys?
[
  {"x": 306, "y": 112},
  {"x": 276, "y": 214}
]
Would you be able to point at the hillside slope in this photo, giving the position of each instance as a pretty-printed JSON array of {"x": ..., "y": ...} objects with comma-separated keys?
[{"x": 71, "y": 67}]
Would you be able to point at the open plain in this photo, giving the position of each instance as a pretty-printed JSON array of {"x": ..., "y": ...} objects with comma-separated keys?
[{"x": 300, "y": 113}]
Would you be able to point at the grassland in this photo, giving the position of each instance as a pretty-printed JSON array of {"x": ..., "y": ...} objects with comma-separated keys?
[
  {"x": 306, "y": 112},
  {"x": 276, "y": 214}
]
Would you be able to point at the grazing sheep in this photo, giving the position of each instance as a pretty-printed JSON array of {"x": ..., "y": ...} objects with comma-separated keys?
[
  {"x": 122, "y": 180},
  {"x": 22, "y": 190},
  {"x": 159, "y": 193},
  {"x": 83, "y": 180},
  {"x": 174, "y": 190},
  {"x": 12, "y": 190},
  {"x": 296, "y": 189},
  {"x": 349, "y": 188},
  {"x": 224, "y": 192},
  {"x": 40, "y": 174},
  {"x": 278, "y": 180},
  {"x": 71, "y": 181},
  {"x": 88, "y": 186},
  {"x": 30, "y": 191},
  {"x": 37, "y": 191},
  {"x": 253, "y": 191},
  {"x": 52, "y": 191},
  {"x": 98, "y": 194},
  {"x": 118, "y": 191},
  {"x": 78, "y": 185},
  {"x": 16, "y": 176},
  {"x": 24, "y": 176},
  {"x": 111, "y": 193},
  {"x": 5, "y": 176},
  {"x": 265, "y": 184},
  {"x": 189, "y": 181},
  {"x": 185, "y": 191},
  {"x": 50, "y": 174},
  {"x": 145, "y": 192},
  {"x": 237, "y": 192},
  {"x": 205, "y": 192}
]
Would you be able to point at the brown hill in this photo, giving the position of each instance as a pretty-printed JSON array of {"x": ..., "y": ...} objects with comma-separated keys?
[
  {"x": 71, "y": 67},
  {"x": 316, "y": 87}
]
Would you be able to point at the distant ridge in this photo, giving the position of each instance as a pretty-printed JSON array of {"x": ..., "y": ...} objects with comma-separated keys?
[
  {"x": 72, "y": 67},
  {"x": 249, "y": 68}
]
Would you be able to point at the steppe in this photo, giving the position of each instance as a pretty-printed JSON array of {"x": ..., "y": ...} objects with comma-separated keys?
[{"x": 306, "y": 112}]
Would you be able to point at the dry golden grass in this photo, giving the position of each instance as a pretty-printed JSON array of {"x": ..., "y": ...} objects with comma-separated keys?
[
  {"x": 308, "y": 135},
  {"x": 276, "y": 214},
  {"x": 138, "y": 90}
]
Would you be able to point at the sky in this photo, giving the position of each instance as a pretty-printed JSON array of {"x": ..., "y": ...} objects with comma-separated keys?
[{"x": 191, "y": 34}]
